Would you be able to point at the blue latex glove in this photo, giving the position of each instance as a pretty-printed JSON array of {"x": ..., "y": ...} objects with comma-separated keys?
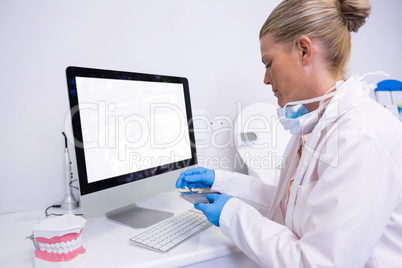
[
  {"x": 213, "y": 210},
  {"x": 196, "y": 178}
]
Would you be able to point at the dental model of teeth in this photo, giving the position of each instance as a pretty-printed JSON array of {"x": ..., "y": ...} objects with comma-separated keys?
[
  {"x": 58, "y": 241},
  {"x": 62, "y": 247},
  {"x": 58, "y": 249}
]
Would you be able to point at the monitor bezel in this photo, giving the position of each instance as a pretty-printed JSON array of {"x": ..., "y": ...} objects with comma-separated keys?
[{"x": 86, "y": 187}]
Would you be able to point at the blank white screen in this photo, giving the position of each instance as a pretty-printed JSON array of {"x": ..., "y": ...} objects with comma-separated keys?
[{"x": 128, "y": 126}]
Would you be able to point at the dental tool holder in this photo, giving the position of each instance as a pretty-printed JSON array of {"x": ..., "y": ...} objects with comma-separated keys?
[{"x": 69, "y": 203}]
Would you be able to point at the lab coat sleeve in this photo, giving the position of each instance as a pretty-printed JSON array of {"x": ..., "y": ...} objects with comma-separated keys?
[
  {"x": 249, "y": 189},
  {"x": 341, "y": 219},
  {"x": 268, "y": 243}
]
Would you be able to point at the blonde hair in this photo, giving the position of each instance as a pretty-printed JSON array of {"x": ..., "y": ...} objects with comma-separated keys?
[{"x": 330, "y": 21}]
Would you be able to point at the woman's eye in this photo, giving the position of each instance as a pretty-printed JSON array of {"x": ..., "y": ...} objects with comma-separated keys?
[{"x": 268, "y": 65}]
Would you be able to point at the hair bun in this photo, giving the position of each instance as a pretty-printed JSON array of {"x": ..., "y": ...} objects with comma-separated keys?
[{"x": 354, "y": 13}]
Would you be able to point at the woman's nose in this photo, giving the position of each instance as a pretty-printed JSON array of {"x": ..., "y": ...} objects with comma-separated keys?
[{"x": 267, "y": 78}]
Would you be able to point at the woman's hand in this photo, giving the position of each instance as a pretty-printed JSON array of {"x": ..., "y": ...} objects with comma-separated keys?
[
  {"x": 196, "y": 178},
  {"x": 213, "y": 210}
]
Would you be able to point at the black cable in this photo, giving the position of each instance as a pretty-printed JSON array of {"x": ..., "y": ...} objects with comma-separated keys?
[
  {"x": 72, "y": 186},
  {"x": 54, "y": 214},
  {"x": 57, "y": 214}
]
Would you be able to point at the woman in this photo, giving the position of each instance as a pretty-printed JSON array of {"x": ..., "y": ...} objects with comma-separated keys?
[{"x": 339, "y": 201}]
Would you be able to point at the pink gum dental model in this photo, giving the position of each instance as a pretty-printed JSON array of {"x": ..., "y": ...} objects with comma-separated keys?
[{"x": 58, "y": 241}]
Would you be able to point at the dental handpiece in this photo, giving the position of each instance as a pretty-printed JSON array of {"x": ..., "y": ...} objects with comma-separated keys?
[{"x": 69, "y": 200}]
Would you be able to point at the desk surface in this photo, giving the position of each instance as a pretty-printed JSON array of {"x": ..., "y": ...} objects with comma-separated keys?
[{"x": 108, "y": 245}]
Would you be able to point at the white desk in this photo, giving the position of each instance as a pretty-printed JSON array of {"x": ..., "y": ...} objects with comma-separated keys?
[{"x": 108, "y": 245}]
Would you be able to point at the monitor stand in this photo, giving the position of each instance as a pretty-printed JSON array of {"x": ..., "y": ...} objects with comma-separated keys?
[{"x": 138, "y": 217}]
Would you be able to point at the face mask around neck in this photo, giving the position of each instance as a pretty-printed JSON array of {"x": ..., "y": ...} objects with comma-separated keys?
[{"x": 295, "y": 117}]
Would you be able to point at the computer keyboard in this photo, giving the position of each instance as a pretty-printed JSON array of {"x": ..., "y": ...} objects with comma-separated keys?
[{"x": 168, "y": 234}]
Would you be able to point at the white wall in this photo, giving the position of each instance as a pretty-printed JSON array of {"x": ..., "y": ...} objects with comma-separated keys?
[{"x": 212, "y": 43}]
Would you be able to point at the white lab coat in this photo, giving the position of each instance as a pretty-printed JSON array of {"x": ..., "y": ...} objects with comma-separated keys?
[{"x": 345, "y": 205}]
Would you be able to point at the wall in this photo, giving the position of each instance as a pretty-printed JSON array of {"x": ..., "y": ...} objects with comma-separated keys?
[{"x": 212, "y": 43}]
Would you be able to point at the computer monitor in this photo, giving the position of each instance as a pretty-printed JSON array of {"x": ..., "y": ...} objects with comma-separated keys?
[{"x": 133, "y": 136}]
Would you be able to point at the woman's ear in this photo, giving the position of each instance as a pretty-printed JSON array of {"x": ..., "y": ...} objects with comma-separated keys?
[{"x": 305, "y": 50}]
